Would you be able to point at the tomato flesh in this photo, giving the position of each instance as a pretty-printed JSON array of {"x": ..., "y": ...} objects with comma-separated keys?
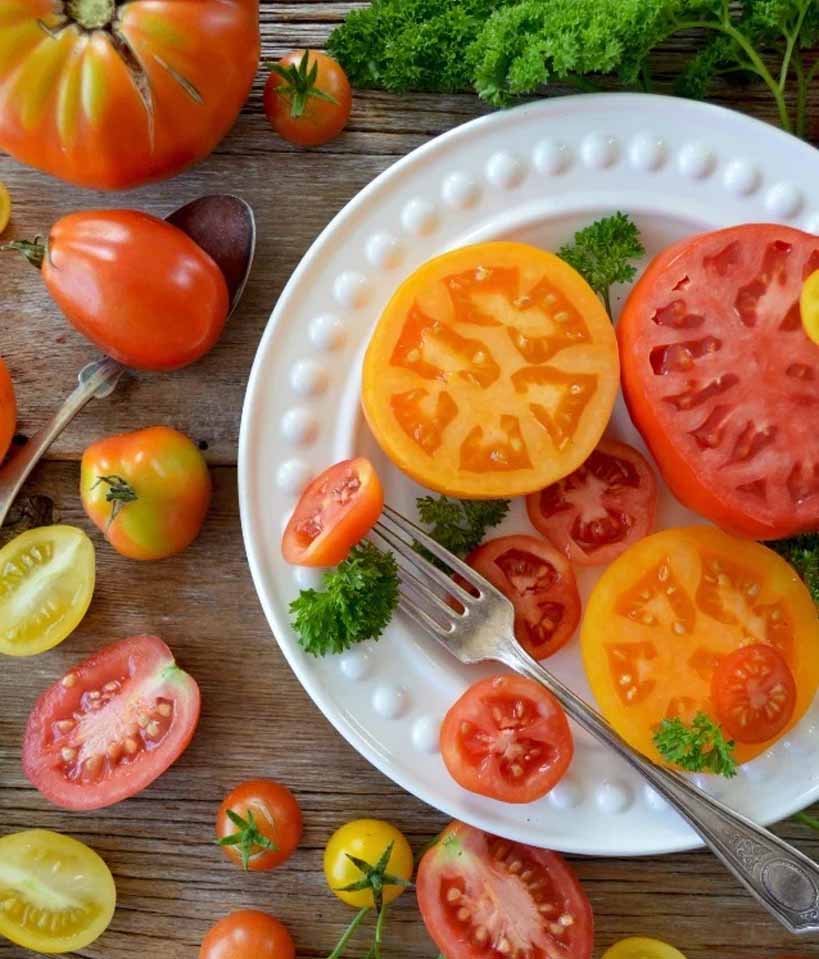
[
  {"x": 541, "y": 586},
  {"x": 111, "y": 725},
  {"x": 482, "y": 896},
  {"x": 507, "y": 738}
]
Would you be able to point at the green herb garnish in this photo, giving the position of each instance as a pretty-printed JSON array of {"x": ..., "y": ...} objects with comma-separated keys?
[
  {"x": 459, "y": 525},
  {"x": 698, "y": 747},
  {"x": 802, "y": 552}
]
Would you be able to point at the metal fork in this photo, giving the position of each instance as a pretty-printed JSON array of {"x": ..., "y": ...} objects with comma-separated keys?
[{"x": 784, "y": 881}]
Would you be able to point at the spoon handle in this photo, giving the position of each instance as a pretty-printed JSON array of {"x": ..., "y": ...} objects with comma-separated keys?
[{"x": 96, "y": 378}]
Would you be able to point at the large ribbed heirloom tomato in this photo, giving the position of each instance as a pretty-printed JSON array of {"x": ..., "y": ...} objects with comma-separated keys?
[{"x": 110, "y": 95}]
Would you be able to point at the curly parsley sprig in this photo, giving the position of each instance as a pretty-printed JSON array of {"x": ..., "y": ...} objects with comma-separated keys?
[
  {"x": 802, "y": 552},
  {"x": 698, "y": 747}
]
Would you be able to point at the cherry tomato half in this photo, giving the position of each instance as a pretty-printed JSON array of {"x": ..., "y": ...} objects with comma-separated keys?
[
  {"x": 507, "y": 738},
  {"x": 337, "y": 509},
  {"x": 267, "y": 825},
  {"x": 8, "y": 410},
  {"x": 247, "y": 934},
  {"x": 365, "y": 839}
]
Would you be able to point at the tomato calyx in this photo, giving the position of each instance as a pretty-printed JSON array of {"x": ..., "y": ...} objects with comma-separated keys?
[
  {"x": 33, "y": 250},
  {"x": 248, "y": 837},
  {"x": 118, "y": 494},
  {"x": 299, "y": 83},
  {"x": 91, "y": 14}
]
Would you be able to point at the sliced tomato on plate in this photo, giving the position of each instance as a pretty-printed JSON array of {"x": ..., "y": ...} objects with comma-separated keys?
[
  {"x": 541, "y": 586},
  {"x": 480, "y": 895},
  {"x": 507, "y": 738},
  {"x": 722, "y": 380},
  {"x": 599, "y": 510},
  {"x": 338, "y": 508},
  {"x": 111, "y": 725}
]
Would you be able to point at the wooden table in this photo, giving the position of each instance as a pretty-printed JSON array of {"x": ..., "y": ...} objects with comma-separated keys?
[{"x": 256, "y": 720}]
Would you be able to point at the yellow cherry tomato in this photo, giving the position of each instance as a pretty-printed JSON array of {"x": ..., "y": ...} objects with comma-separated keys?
[
  {"x": 5, "y": 207},
  {"x": 640, "y": 947},
  {"x": 365, "y": 839},
  {"x": 809, "y": 306}
]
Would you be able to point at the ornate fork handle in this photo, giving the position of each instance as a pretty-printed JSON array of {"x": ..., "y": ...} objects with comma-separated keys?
[{"x": 784, "y": 881}]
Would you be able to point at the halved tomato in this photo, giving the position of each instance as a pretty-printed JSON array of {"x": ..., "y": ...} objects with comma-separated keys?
[
  {"x": 337, "y": 509},
  {"x": 666, "y": 616},
  {"x": 111, "y": 725},
  {"x": 492, "y": 372},
  {"x": 599, "y": 510},
  {"x": 480, "y": 895},
  {"x": 809, "y": 306},
  {"x": 541, "y": 586},
  {"x": 722, "y": 380},
  {"x": 507, "y": 738}
]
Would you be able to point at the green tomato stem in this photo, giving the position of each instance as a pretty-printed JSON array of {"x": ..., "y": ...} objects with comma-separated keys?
[
  {"x": 348, "y": 932},
  {"x": 33, "y": 250}
]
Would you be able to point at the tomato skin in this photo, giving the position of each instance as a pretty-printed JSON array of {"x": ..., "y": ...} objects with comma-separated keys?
[
  {"x": 642, "y": 947},
  {"x": 486, "y": 768},
  {"x": 809, "y": 306},
  {"x": 277, "y": 816},
  {"x": 487, "y": 869},
  {"x": 547, "y": 611},
  {"x": 136, "y": 708},
  {"x": 8, "y": 410},
  {"x": 336, "y": 510},
  {"x": 365, "y": 839},
  {"x": 247, "y": 934},
  {"x": 100, "y": 269},
  {"x": 321, "y": 120},
  {"x": 71, "y": 108},
  {"x": 172, "y": 484}
]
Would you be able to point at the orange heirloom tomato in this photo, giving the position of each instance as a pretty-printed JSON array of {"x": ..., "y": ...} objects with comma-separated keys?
[
  {"x": 148, "y": 491},
  {"x": 109, "y": 95},
  {"x": 8, "y": 410},
  {"x": 664, "y": 622},
  {"x": 492, "y": 372}
]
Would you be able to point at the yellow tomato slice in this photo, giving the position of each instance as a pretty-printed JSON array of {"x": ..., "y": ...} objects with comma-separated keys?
[
  {"x": 641, "y": 947},
  {"x": 47, "y": 579},
  {"x": 809, "y": 306},
  {"x": 5, "y": 207},
  {"x": 665, "y": 613},
  {"x": 57, "y": 894},
  {"x": 492, "y": 371}
]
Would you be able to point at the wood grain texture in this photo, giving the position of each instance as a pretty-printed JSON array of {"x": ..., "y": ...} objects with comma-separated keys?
[{"x": 172, "y": 881}]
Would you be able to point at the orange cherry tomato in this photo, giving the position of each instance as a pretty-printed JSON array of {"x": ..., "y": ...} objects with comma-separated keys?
[
  {"x": 754, "y": 693},
  {"x": 8, "y": 410},
  {"x": 492, "y": 372},
  {"x": 307, "y": 98},
  {"x": 110, "y": 95},
  {"x": 248, "y": 934},
  {"x": 147, "y": 491},
  {"x": 259, "y": 824},
  {"x": 337, "y": 509}
]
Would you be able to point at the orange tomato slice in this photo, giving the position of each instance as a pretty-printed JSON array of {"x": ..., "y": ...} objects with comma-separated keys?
[
  {"x": 492, "y": 372},
  {"x": 666, "y": 614}
]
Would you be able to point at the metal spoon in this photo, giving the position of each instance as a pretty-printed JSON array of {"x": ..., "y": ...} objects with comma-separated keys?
[{"x": 224, "y": 227}]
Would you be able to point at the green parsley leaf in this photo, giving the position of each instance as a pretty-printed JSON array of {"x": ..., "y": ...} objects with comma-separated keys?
[
  {"x": 802, "y": 552},
  {"x": 358, "y": 600},
  {"x": 459, "y": 525},
  {"x": 699, "y": 747}
]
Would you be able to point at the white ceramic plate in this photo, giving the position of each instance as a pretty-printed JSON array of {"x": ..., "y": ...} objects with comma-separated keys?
[{"x": 535, "y": 174}]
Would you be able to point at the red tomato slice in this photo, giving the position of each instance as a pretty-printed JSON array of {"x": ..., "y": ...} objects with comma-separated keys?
[
  {"x": 754, "y": 693},
  {"x": 595, "y": 513},
  {"x": 722, "y": 380},
  {"x": 111, "y": 725},
  {"x": 507, "y": 738},
  {"x": 482, "y": 896},
  {"x": 540, "y": 584},
  {"x": 336, "y": 510}
]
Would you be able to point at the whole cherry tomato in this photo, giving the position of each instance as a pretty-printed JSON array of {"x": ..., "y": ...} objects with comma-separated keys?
[
  {"x": 259, "y": 824},
  {"x": 147, "y": 491},
  {"x": 137, "y": 286},
  {"x": 307, "y": 98},
  {"x": 366, "y": 840},
  {"x": 248, "y": 934},
  {"x": 8, "y": 410}
]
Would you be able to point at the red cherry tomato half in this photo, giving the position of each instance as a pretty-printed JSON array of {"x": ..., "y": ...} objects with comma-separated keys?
[
  {"x": 272, "y": 824},
  {"x": 111, "y": 725},
  {"x": 507, "y": 738},
  {"x": 247, "y": 934},
  {"x": 482, "y": 896},
  {"x": 337, "y": 509},
  {"x": 754, "y": 693},
  {"x": 595, "y": 513},
  {"x": 540, "y": 584}
]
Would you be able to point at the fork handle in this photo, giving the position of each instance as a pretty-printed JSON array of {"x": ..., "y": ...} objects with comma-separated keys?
[{"x": 784, "y": 881}]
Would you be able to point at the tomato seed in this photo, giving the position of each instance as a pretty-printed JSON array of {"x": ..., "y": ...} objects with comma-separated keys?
[
  {"x": 678, "y": 627},
  {"x": 164, "y": 709},
  {"x": 481, "y": 935},
  {"x": 566, "y": 920},
  {"x": 68, "y": 754},
  {"x": 94, "y": 694},
  {"x": 503, "y": 946},
  {"x": 516, "y": 770},
  {"x": 69, "y": 680},
  {"x": 66, "y": 725},
  {"x": 515, "y": 866},
  {"x": 453, "y": 894},
  {"x": 547, "y": 909},
  {"x": 556, "y": 929},
  {"x": 111, "y": 687},
  {"x": 526, "y": 875},
  {"x": 464, "y": 914},
  {"x": 142, "y": 720},
  {"x": 131, "y": 746},
  {"x": 152, "y": 729},
  {"x": 114, "y": 751}
]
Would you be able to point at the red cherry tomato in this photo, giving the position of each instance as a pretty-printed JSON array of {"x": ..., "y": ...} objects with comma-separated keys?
[
  {"x": 247, "y": 934},
  {"x": 507, "y": 738},
  {"x": 595, "y": 513},
  {"x": 541, "y": 585},
  {"x": 337, "y": 509},
  {"x": 307, "y": 98},
  {"x": 270, "y": 828},
  {"x": 754, "y": 693},
  {"x": 8, "y": 410}
]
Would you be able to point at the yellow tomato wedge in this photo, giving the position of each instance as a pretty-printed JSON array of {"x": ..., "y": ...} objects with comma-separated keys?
[
  {"x": 641, "y": 947},
  {"x": 47, "y": 580},
  {"x": 5, "y": 207},
  {"x": 57, "y": 894},
  {"x": 809, "y": 306}
]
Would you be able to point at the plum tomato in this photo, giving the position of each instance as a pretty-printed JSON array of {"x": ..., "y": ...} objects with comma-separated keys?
[
  {"x": 481, "y": 895},
  {"x": 539, "y": 582},
  {"x": 8, "y": 410},
  {"x": 111, "y": 725},
  {"x": 507, "y": 738},
  {"x": 366, "y": 840},
  {"x": 259, "y": 824},
  {"x": 247, "y": 934}
]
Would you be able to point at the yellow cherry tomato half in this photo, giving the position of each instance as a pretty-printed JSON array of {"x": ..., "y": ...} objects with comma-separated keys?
[
  {"x": 57, "y": 894},
  {"x": 641, "y": 947},
  {"x": 809, "y": 306},
  {"x": 365, "y": 839},
  {"x": 47, "y": 578},
  {"x": 5, "y": 207}
]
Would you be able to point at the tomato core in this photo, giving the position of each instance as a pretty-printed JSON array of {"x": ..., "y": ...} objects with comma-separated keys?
[{"x": 91, "y": 14}]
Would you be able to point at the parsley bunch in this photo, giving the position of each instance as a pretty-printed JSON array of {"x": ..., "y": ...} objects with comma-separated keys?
[
  {"x": 459, "y": 525},
  {"x": 802, "y": 552},
  {"x": 698, "y": 747}
]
